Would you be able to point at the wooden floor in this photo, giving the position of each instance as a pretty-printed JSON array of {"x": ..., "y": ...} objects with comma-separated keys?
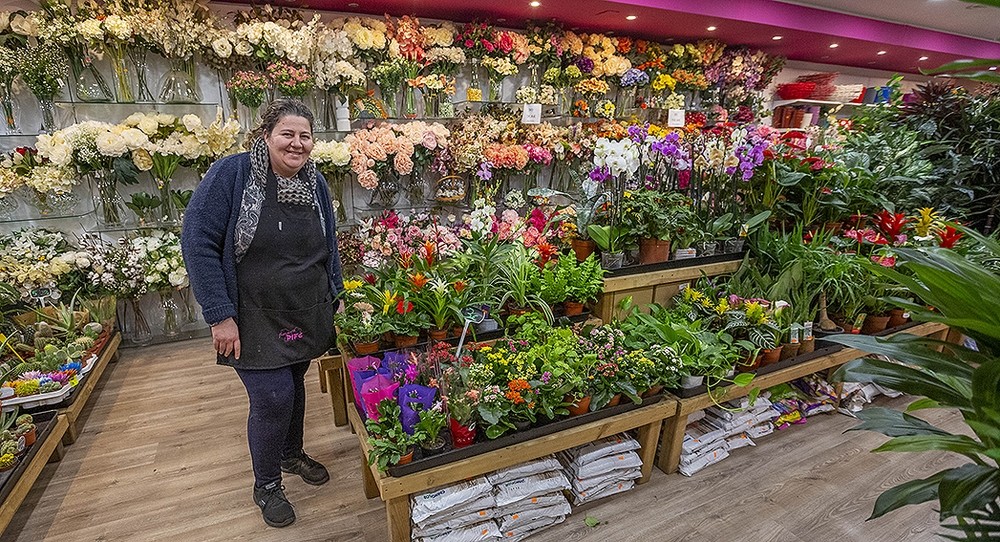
[{"x": 163, "y": 455}]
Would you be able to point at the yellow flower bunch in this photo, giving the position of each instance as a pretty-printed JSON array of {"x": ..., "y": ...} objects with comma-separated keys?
[
  {"x": 351, "y": 285},
  {"x": 664, "y": 81},
  {"x": 925, "y": 220}
]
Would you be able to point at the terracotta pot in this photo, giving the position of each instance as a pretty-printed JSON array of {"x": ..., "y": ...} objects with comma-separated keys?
[
  {"x": 457, "y": 331},
  {"x": 807, "y": 347},
  {"x": 769, "y": 356},
  {"x": 583, "y": 248},
  {"x": 573, "y": 308},
  {"x": 653, "y": 250},
  {"x": 789, "y": 350},
  {"x": 403, "y": 460},
  {"x": 614, "y": 400},
  {"x": 581, "y": 406},
  {"x": 403, "y": 341},
  {"x": 653, "y": 391},
  {"x": 461, "y": 435},
  {"x": 365, "y": 348},
  {"x": 29, "y": 437},
  {"x": 750, "y": 364},
  {"x": 896, "y": 318},
  {"x": 874, "y": 324},
  {"x": 438, "y": 334}
]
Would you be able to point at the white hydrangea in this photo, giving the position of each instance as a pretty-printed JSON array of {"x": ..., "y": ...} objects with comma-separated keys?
[{"x": 111, "y": 144}]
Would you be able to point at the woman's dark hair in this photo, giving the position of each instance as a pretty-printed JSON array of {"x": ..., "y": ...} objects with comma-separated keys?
[{"x": 274, "y": 112}]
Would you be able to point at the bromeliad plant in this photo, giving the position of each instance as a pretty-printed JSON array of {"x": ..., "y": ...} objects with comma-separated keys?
[{"x": 968, "y": 496}]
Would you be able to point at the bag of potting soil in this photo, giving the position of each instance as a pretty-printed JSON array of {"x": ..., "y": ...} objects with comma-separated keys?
[
  {"x": 480, "y": 532},
  {"x": 703, "y": 461},
  {"x": 738, "y": 441},
  {"x": 700, "y": 434},
  {"x": 760, "y": 430},
  {"x": 539, "y": 466},
  {"x": 524, "y": 531},
  {"x": 541, "y": 501},
  {"x": 530, "y": 486},
  {"x": 605, "y": 464},
  {"x": 590, "y": 484},
  {"x": 483, "y": 508},
  {"x": 599, "y": 448},
  {"x": 428, "y": 503},
  {"x": 687, "y": 459},
  {"x": 467, "y": 519},
  {"x": 601, "y": 492},
  {"x": 513, "y": 521},
  {"x": 414, "y": 398}
]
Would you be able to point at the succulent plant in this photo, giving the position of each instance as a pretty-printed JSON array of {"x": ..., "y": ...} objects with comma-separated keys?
[
  {"x": 8, "y": 447},
  {"x": 22, "y": 430},
  {"x": 25, "y": 388},
  {"x": 6, "y": 435},
  {"x": 93, "y": 330},
  {"x": 49, "y": 386},
  {"x": 7, "y": 461},
  {"x": 24, "y": 419}
]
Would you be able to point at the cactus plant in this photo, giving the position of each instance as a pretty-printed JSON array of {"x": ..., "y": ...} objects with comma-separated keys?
[
  {"x": 8, "y": 447},
  {"x": 7, "y": 461}
]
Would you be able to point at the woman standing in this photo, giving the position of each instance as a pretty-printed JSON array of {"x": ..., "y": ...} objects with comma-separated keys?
[{"x": 260, "y": 245}]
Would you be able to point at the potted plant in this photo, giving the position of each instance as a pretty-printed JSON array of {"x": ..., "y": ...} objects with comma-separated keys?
[
  {"x": 462, "y": 405},
  {"x": 406, "y": 322},
  {"x": 7, "y": 461},
  {"x": 389, "y": 444},
  {"x": 361, "y": 327},
  {"x": 585, "y": 284},
  {"x": 651, "y": 216},
  {"x": 517, "y": 281},
  {"x": 665, "y": 369},
  {"x": 876, "y": 309},
  {"x": 436, "y": 298},
  {"x": 610, "y": 240},
  {"x": 432, "y": 421},
  {"x": 687, "y": 234},
  {"x": 553, "y": 281},
  {"x": 752, "y": 322},
  {"x": 25, "y": 426}
]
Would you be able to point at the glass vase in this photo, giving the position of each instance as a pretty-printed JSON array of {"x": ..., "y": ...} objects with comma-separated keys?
[
  {"x": 47, "y": 111},
  {"x": 180, "y": 84},
  {"x": 389, "y": 101},
  {"x": 89, "y": 84},
  {"x": 336, "y": 185},
  {"x": 626, "y": 102},
  {"x": 108, "y": 202},
  {"x": 190, "y": 305},
  {"x": 134, "y": 325},
  {"x": 317, "y": 99},
  {"x": 123, "y": 73},
  {"x": 475, "y": 91},
  {"x": 566, "y": 101},
  {"x": 496, "y": 88},
  {"x": 431, "y": 105},
  {"x": 416, "y": 188},
  {"x": 9, "y": 105},
  {"x": 137, "y": 55},
  {"x": 410, "y": 102},
  {"x": 170, "y": 324},
  {"x": 50, "y": 202},
  {"x": 168, "y": 207},
  {"x": 386, "y": 194},
  {"x": 8, "y": 204},
  {"x": 248, "y": 120}
]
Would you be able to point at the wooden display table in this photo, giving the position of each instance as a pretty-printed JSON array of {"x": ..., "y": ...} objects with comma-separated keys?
[
  {"x": 47, "y": 447},
  {"x": 83, "y": 391},
  {"x": 333, "y": 379},
  {"x": 396, "y": 491},
  {"x": 673, "y": 432}
]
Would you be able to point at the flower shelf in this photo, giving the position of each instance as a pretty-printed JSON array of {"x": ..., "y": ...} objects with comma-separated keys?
[
  {"x": 675, "y": 264},
  {"x": 483, "y": 445},
  {"x": 15, "y": 483}
]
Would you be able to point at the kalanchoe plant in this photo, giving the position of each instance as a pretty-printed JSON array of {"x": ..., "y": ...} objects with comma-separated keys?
[{"x": 432, "y": 421}]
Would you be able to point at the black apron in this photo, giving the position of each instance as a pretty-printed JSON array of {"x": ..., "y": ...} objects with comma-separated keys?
[{"x": 285, "y": 303}]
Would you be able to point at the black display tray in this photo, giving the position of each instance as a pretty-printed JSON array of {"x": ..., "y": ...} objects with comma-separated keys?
[
  {"x": 483, "y": 445},
  {"x": 675, "y": 264},
  {"x": 685, "y": 393},
  {"x": 44, "y": 421}
]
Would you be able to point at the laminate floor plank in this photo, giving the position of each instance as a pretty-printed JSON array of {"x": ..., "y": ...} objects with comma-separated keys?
[{"x": 162, "y": 455}]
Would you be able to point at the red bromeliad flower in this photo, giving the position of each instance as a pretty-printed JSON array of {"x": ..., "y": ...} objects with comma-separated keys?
[
  {"x": 419, "y": 281},
  {"x": 459, "y": 285},
  {"x": 891, "y": 224},
  {"x": 545, "y": 253},
  {"x": 370, "y": 278},
  {"x": 948, "y": 237},
  {"x": 537, "y": 218},
  {"x": 403, "y": 306},
  {"x": 429, "y": 249}
]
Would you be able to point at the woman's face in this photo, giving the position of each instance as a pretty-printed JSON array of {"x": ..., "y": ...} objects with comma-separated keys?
[{"x": 289, "y": 144}]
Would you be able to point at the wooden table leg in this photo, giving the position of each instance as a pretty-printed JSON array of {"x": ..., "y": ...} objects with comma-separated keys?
[
  {"x": 670, "y": 444},
  {"x": 57, "y": 453},
  {"x": 648, "y": 436},
  {"x": 347, "y": 388},
  {"x": 322, "y": 377},
  {"x": 335, "y": 383},
  {"x": 397, "y": 513},
  {"x": 371, "y": 489},
  {"x": 71, "y": 434}
]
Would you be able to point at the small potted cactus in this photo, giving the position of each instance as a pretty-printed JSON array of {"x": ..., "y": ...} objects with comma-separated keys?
[
  {"x": 25, "y": 426},
  {"x": 7, "y": 462},
  {"x": 9, "y": 447}
]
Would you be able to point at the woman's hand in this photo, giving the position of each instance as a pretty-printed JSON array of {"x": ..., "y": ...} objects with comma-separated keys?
[{"x": 226, "y": 338}]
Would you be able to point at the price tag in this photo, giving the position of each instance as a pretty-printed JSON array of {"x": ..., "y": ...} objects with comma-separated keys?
[
  {"x": 675, "y": 118},
  {"x": 532, "y": 114}
]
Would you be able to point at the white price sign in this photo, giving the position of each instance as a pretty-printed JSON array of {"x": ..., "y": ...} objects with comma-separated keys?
[
  {"x": 675, "y": 118},
  {"x": 532, "y": 114}
]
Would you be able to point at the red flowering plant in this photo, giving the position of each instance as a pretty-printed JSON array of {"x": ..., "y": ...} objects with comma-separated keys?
[
  {"x": 478, "y": 39},
  {"x": 404, "y": 319},
  {"x": 892, "y": 226},
  {"x": 948, "y": 236}
]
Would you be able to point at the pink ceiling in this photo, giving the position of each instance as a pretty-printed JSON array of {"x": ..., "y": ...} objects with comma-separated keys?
[{"x": 806, "y": 32}]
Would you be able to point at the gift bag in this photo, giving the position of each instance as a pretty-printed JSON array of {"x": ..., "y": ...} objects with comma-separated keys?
[
  {"x": 393, "y": 364},
  {"x": 361, "y": 369},
  {"x": 410, "y": 396},
  {"x": 374, "y": 390}
]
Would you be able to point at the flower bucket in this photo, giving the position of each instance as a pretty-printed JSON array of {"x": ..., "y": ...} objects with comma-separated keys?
[
  {"x": 405, "y": 459},
  {"x": 438, "y": 334},
  {"x": 653, "y": 250},
  {"x": 652, "y": 391},
  {"x": 807, "y": 347}
]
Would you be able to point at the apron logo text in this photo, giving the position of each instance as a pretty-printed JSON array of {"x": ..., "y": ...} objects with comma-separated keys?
[{"x": 291, "y": 335}]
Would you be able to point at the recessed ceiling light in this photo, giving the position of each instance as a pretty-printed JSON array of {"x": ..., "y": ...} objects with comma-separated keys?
[
  {"x": 534, "y": 4},
  {"x": 923, "y": 58},
  {"x": 352, "y": 5},
  {"x": 993, "y": 68},
  {"x": 881, "y": 52},
  {"x": 501, "y": 20},
  {"x": 711, "y": 29},
  {"x": 630, "y": 17},
  {"x": 871, "y": 63},
  {"x": 834, "y": 45},
  {"x": 776, "y": 38}
]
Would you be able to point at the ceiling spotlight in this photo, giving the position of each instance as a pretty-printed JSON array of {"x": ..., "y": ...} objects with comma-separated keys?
[
  {"x": 881, "y": 52},
  {"x": 534, "y": 4},
  {"x": 501, "y": 20},
  {"x": 923, "y": 58},
  {"x": 630, "y": 17},
  {"x": 352, "y": 5},
  {"x": 993, "y": 68},
  {"x": 776, "y": 38},
  {"x": 834, "y": 45},
  {"x": 711, "y": 29}
]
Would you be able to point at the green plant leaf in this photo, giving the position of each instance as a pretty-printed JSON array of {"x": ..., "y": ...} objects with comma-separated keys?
[
  {"x": 591, "y": 521},
  {"x": 912, "y": 492},
  {"x": 968, "y": 488},
  {"x": 743, "y": 379},
  {"x": 921, "y": 404},
  {"x": 893, "y": 423},
  {"x": 959, "y": 444},
  {"x": 903, "y": 378}
]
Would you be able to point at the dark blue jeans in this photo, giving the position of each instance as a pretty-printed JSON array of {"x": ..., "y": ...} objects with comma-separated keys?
[{"x": 277, "y": 412}]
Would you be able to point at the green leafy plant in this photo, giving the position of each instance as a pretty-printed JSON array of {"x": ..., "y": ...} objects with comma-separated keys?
[
  {"x": 386, "y": 438},
  {"x": 607, "y": 238},
  {"x": 432, "y": 421},
  {"x": 947, "y": 376},
  {"x": 517, "y": 277}
]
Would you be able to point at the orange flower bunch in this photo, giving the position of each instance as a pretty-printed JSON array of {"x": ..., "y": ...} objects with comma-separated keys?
[
  {"x": 515, "y": 387},
  {"x": 690, "y": 80},
  {"x": 624, "y": 45},
  {"x": 410, "y": 37}
]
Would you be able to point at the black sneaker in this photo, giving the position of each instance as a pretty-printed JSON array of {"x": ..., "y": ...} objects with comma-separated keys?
[
  {"x": 311, "y": 471},
  {"x": 274, "y": 506}
]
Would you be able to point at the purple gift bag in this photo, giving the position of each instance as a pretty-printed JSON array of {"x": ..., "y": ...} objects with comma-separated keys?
[
  {"x": 374, "y": 390},
  {"x": 394, "y": 363},
  {"x": 360, "y": 370},
  {"x": 410, "y": 396}
]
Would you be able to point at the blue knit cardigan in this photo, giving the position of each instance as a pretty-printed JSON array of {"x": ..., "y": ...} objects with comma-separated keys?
[{"x": 207, "y": 238}]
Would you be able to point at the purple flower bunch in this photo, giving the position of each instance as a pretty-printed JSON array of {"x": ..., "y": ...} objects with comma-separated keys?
[
  {"x": 585, "y": 64},
  {"x": 607, "y": 342},
  {"x": 600, "y": 174},
  {"x": 634, "y": 77},
  {"x": 485, "y": 171},
  {"x": 750, "y": 154},
  {"x": 638, "y": 133}
]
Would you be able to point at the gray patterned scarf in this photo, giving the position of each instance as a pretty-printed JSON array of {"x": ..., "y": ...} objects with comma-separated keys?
[{"x": 254, "y": 193}]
